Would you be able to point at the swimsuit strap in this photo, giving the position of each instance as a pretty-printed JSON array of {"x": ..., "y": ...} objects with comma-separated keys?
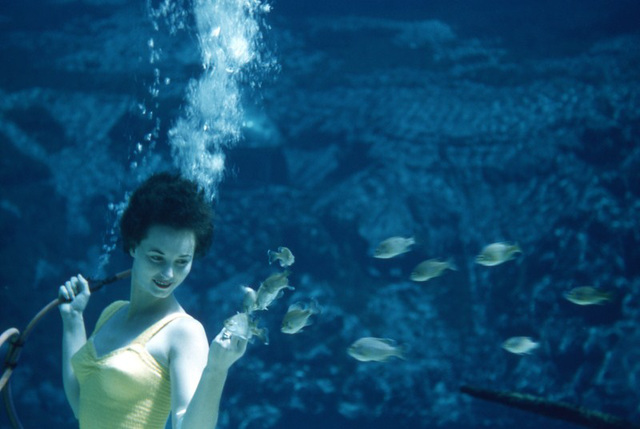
[
  {"x": 156, "y": 327},
  {"x": 107, "y": 313}
]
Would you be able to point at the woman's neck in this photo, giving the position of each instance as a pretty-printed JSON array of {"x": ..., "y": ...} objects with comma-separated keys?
[{"x": 141, "y": 304}]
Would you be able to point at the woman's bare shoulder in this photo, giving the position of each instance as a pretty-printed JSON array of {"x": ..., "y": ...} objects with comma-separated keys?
[{"x": 187, "y": 331}]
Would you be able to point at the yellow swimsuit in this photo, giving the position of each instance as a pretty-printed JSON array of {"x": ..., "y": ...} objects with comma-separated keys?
[{"x": 126, "y": 388}]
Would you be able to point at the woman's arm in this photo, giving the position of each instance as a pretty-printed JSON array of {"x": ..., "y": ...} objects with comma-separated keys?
[
  {"x": 75, "y": 294},
  {"x": 198, "y": 377}
]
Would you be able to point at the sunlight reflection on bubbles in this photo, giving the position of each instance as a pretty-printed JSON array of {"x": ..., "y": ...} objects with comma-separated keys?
[
  {"x": 229, "y": 35},
  {"x": 240, "y": 50}
]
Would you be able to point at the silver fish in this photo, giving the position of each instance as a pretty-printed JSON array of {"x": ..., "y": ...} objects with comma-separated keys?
[
  {"x": 588, "y": 295},
  {"x": 298, "y": 316},
  {"x": 431, "y": 268},
  {"x": 250, "y": 297},
  {"x": 375, "y": 349},
  {"x": 520, "y": 345},
  {"x": 276, "y": 280},
  {"x": 497, "y": 253},
  {"x": 246, "y": 327},
  {"x": 271, "y": 289},
  {"x": 393, "y": 246},
  {"x": 283, "y": 255}
]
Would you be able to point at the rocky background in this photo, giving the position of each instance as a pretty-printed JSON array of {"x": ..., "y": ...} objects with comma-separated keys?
[{"x": 460, "y": 123}]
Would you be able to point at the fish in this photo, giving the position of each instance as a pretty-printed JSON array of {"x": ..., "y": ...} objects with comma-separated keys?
[
  {"x": 520, "y": 345},
  {"x": 298, "y": 316},
  {"x": 431, "y": 268},
  {"x": 271, "y": 289},
  {"x": 250, "y": 297},
  {"x": 588, "y": 295},
  {"x": 497, "y": 253},
  {"x": 283, "y": 255},
  {"x": 393, "y": 246},
  {"x": 375, "y": 349},
  {"x": 276, "y": 280},
  {"x": 246, "y": 327}
]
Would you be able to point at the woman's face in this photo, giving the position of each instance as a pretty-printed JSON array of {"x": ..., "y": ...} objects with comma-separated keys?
[{"x": 162, "y": 260}]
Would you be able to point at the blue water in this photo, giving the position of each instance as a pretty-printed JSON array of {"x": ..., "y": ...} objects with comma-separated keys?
[{"x": 327, "y": 127}]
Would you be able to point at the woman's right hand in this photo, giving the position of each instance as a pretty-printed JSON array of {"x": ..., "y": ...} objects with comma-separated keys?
[
  {"x": 225, "y": 349},
  {"x": 74, "y": 295}
]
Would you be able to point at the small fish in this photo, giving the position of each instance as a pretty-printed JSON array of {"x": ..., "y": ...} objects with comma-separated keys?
[
  {"x": 271, "y": 289},
  {"x": 393, "y": 246},
  {"x": 588, "y": 295},
  {"x": 238, "y": 324},
  {"x": 276, "y": 281},
  {"x": 520, "y": 345},
  {"x": 250, "y": 297},
  {"x": 497, "y": 253},
  {"x": 431, "y": 268},
  {"x": 375, "y": 349},
  {"x": 298, "y": 316},
  {"x": 246, "y": 327},
  {"x": 283, "y": 255}
]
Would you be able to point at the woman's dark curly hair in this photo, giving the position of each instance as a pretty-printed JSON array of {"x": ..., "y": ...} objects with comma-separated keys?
[{"x": 170, "y": 200}]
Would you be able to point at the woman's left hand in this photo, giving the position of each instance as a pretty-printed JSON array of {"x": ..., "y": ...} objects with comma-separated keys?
[{"x": 226, "y": 349}]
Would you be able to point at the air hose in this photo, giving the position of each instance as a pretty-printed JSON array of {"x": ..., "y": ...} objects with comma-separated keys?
[{"x": 17, "y": 339}]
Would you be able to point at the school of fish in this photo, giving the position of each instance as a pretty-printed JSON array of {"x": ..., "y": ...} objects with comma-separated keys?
[
  {"x": 245, "y": 324},
  {"x": 302, "y": 313},
  {"x": 491, "y": 255}
]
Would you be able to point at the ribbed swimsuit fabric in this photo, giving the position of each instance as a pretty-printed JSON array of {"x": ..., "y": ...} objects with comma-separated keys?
[{"x": 125, "y": 388}]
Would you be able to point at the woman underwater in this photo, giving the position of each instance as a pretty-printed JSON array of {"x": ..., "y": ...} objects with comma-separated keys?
[{"x": 147, "y": 357}]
